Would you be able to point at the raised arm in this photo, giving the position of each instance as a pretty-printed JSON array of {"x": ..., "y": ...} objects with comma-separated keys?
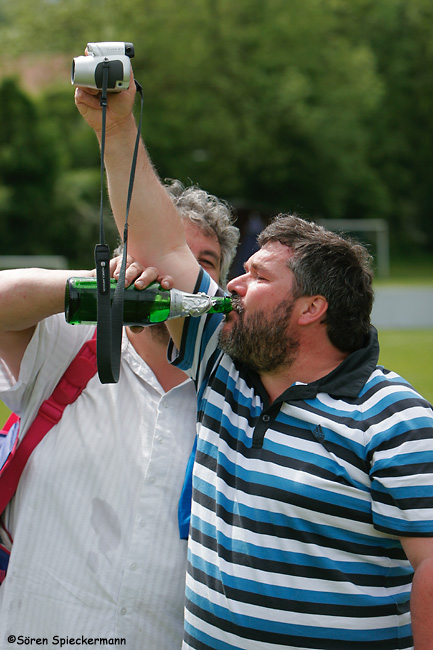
[
  {"x": 27, "y": 296},
  {"x": 156, "y": 235}
]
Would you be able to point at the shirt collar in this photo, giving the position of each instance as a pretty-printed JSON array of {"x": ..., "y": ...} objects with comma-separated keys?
[
  {"x": 348, "y": 379},
  {"x": 345, "y": 381}
]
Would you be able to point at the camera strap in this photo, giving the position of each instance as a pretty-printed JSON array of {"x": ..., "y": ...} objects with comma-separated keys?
[{"x": 109, "y": 326}]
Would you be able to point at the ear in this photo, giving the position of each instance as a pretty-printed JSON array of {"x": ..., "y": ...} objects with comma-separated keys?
[{"x": 312, "y": 309}]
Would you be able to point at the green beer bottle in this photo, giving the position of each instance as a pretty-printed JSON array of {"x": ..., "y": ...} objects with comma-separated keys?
[{"x": 141, "y": 307}]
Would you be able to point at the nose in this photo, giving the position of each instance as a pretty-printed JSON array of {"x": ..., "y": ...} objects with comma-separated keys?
[{"x": 238, "y": 285}]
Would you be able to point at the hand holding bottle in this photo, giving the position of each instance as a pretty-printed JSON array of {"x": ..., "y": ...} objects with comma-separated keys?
[
  {"x": 140, "y": 276},
  {"x": 137, "y": 274}
]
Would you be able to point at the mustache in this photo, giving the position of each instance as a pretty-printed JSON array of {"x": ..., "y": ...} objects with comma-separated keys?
[{"x": 237, "y": 304}]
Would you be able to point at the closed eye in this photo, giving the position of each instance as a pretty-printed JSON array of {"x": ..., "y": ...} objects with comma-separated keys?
[{"x": 256, "y": 271}]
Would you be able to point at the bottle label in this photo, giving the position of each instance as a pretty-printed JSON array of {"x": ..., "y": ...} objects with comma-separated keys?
[{"x": 188, "y": 304}]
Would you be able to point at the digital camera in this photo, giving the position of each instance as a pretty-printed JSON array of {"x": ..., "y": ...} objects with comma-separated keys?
[{"x": 87, "y": 70}]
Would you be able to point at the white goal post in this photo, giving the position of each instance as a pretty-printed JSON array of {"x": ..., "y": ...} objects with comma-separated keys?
[{"x": 380, "y": 230}]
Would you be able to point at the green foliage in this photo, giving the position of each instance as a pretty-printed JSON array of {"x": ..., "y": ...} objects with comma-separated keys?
[
  {"x": 400, "y": 36},
  {"x": 49, "y": 200},
  {"x": 245, "y": 107},
  {"x": 322, "y": 107},
  {"x": 28, "y": 171}
]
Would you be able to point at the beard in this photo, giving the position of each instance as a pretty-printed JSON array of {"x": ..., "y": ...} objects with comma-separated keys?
[
  {"x": 159, "y": 333},
  {"x": 262, "y": 342}
]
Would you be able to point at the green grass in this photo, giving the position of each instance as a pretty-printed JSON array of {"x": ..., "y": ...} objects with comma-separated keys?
[
  {"x": 407, "y": 352},
  {"x": 4, "y": 412},
  {"x": 410, "y": 353}
]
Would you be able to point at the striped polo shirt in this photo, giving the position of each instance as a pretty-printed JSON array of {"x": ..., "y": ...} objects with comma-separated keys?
[{"x": 298, "y": 504}]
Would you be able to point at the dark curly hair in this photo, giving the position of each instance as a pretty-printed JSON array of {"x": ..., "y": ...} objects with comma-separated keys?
[{"x": 335, "y": 267}]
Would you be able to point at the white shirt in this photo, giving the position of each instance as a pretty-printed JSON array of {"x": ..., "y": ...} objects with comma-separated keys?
[{"x": 96, "y": 550}]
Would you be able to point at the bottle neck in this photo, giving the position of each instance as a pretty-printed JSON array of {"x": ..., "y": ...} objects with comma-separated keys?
[
  {"x": 196, "y": 304},
  {"x": 188, "y": 304}
]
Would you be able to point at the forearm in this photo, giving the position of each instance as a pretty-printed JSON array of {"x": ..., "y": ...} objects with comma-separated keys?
[
  {"x": 156, "y": 234},
  {"x": 155, "y": 227},
  {"x": 27, "y": 296},
  {"x": 421, "y": 606}
]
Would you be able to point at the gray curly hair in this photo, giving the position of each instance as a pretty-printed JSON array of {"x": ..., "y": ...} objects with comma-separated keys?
[{"x": 209, "y": 213}]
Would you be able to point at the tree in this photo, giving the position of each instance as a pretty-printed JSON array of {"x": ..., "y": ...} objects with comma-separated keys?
[
  {"x": 400, "y": 36},
  {"x": 318, "y": 106},
  {"x": 48, "y": 199},
  {"x": 28, "y": 173}
]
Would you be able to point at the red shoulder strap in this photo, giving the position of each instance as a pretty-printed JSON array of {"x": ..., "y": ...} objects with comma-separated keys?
[{"x": 70, "y": 386}]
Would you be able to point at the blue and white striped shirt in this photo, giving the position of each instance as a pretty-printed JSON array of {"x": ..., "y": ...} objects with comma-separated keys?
[{"x": 298, "y": 505}]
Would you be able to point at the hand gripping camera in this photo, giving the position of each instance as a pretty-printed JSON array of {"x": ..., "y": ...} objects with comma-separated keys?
[{"x": 87, "y": 71}]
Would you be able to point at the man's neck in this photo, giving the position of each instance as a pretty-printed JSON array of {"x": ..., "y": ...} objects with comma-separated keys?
[
  {"x": 312, "y": 362},
  {"x": 152, "y": 349}
]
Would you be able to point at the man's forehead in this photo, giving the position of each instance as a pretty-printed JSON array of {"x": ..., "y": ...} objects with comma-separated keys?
[
  {"x": 203, "y": 244},
  {"x": 272, "y": 253}
]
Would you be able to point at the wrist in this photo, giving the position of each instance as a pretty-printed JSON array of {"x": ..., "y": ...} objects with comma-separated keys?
[{"x": 119, "y": 129}]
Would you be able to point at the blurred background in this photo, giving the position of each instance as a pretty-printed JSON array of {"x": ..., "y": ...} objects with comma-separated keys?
[{"x": 319, "y": 107}]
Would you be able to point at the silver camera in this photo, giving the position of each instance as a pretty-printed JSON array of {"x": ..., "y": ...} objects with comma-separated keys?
[{"x": 87, "y": 71}]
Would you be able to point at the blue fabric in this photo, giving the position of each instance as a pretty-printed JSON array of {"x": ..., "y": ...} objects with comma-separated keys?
[
  {"x": 184, "y": 507},
  {"x": 4, "y": 561},
  {"x": 7, "y": 443}
]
